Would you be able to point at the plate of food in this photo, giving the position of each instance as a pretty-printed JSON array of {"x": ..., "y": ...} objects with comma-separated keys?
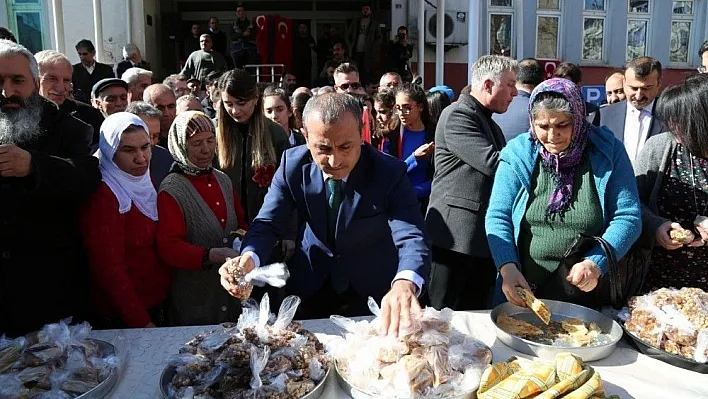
[
  {"x": 553, "y": 327},
  {"x": 431, "y": 360},
  {"x": 672, "y": 326},
  {"x": 254, "y": 358},
  {"x": 58, "y": 361}
]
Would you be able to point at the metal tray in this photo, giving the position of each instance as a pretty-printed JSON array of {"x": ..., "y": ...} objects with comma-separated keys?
[
  {"x": 559, "y": 311},
  {"x": 169, "y": 372},
  {"x": 357, "y": 393},
  {"x": 666, "y": 357},
  {"x": 102, "y": 389}
]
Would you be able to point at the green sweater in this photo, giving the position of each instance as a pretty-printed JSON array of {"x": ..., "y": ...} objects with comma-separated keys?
[{"x": 544, "y": 241}]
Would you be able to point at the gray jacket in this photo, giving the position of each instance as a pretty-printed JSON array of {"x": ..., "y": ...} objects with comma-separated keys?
[
  {"x": 467, "y": 145},
  {"x": 652, "y": 164}
]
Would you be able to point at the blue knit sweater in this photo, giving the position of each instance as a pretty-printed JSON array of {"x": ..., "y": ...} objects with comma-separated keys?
[{"x": 614, "y": 180}]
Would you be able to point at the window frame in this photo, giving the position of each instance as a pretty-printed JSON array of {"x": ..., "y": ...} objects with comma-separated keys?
[
  {"x": 506, "y": 11},
  {"x": 639, "y": 16},
  {"x": 595, "y": 14},
  {"x": 14, "y": 8},
  {"x": 691, "y": 19},
  {"x": 550, "y": 13}
]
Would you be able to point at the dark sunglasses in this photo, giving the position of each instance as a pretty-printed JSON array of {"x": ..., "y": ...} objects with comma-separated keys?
[{"x": 354, "y": 86}]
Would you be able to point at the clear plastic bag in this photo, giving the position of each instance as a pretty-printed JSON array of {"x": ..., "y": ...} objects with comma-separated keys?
[
  {"x": 317, "y": 372},
  {"x": 276, "y": 275},
  {"x": 10, "y": 352},
  {"x": 286, "y": 313},
  {"x": 259, "y": 359}
]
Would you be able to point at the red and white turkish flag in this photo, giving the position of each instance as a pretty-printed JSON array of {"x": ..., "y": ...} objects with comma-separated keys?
[
  {"x": 548, "y": 67},
  {"x": 283, "y": 41},
  {"x": 263, "y": 39}
]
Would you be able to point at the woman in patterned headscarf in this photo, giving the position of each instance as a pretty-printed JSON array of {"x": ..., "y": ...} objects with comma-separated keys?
[
  {"x": 562, "y": 178},
  {"x": 198, "y": 210}
]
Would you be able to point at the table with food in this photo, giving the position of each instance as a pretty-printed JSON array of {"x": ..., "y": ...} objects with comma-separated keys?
[{"x": 547, "y": 349}]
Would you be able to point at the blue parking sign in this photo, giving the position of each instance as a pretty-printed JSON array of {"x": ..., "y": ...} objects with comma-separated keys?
[{"x": 594, "y": 94}]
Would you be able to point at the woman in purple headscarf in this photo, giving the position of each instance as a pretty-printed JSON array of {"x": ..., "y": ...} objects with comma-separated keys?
[{"x": 562, "y": 178}]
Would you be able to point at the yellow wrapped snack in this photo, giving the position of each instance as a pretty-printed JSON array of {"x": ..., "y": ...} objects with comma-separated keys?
[{"x": 567, "y": 377}]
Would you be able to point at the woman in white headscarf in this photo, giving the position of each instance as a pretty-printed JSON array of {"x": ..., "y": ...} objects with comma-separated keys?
[{"x": 129, "y": 282}]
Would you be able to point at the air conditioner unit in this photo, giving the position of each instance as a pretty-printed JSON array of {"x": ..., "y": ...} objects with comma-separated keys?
[{"x": 455, "y": 26}]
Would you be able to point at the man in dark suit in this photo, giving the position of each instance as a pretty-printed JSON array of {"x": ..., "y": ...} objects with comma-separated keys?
[
  {"x": 88, "y": 72},
  {"x": 633, "y": 120},
  {"x": 131, "y": 59},
  {"x": 55, "y": 85},
  {"x": 515, "y": 120},
  {"x": 467, "y": 145},
  {"x": 46, "y": 172},
  {"x": 361, "y": 232}
]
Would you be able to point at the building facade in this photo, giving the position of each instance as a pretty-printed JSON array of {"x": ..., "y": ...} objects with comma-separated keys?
[{"x": 599, "y": 35}]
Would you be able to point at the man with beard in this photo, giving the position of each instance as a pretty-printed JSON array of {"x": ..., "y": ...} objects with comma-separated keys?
[
  {"x": 55, "y": 84},
  {"x": 45, "y": 172},
  {"x": 633, "y": 121},
  {"x": 364, "y": 39},
  {"x": 110, "y": 96},
  {"x": 161, "y": 97},
  {"x": 89, "y": 71},
  {"x": 289, "y": 83}
]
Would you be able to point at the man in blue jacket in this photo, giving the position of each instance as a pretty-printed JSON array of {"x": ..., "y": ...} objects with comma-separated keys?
[{"x": 360, "y": 228}]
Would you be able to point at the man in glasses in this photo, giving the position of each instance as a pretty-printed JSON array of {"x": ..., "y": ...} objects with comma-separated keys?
[
  {"x": 346, "y": 79},
  {"x": 703, "y": 53}
]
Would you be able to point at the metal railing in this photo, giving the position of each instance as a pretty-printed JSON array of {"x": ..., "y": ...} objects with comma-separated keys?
[{"x": 266, "y": 73}]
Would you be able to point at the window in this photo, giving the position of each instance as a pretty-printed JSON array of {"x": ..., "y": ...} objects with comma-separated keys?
[
  {"x": 594, "y": 19},
  {"x": 26, "y": 19},
  {"x": 681, "y": 23},
  {"x": 637, "y": 28},
  {"x": 547, "y": 29},
  {"x": 501, "y": 23}
]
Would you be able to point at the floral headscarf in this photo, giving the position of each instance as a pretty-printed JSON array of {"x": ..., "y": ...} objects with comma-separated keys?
[
  {"x": 563, "y": 166},
  {"x": 186, "y": 125}
]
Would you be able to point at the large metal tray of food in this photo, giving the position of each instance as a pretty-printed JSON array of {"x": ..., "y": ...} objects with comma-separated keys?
[
  {"x": 169, "y": 372},
  {"x": 610, "y": 331},
  {"x": 666, "y": 357},
  {"x": 357, "y": 393}
]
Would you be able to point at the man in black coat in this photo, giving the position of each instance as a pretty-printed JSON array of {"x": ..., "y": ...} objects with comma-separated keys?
[
  {"x": 88, "y": 71},
  {"x": 46, "y": 172},
  {"x": 467, "y": 146},
  {"x": 55, "y": 85}
]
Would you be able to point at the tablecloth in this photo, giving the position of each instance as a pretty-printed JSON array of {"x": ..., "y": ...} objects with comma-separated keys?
[{"x": 626, "y": 372}]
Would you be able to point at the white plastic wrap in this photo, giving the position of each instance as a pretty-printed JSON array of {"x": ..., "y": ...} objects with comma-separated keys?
[
  {"x": 275, "y": 275},
  {"x": 432, "y": 360}
]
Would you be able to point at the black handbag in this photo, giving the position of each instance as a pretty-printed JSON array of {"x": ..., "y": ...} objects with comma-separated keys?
[{"x": 623, "y": 279}]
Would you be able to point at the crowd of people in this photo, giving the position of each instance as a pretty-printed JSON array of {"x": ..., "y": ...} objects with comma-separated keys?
[{"x": 125, "y": 212}]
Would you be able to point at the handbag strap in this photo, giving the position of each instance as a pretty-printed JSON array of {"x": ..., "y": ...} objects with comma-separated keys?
[{"x": 615, "y": 279}]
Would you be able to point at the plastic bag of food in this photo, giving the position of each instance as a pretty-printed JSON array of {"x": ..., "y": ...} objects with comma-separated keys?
[
  {"x": 105, "y": 365},
  {"x": 286, "y": 313},
  {"x": 432, "y": 338},
  {"x": 238, "y": 273},
  {"x": 249, "y": 315},
  {"x": 469, "y": 352},
  {"x": 258, "y": 362},
  {"x": 79, "y": 366},
  {"x": 10, "y": 351},
  {"x": 275, "y": 275},
  {"x": 389, "y": 349},
  {"x": 439, "y": 361},
  {"x": 701, "y": 353},
  {"x": 215, "y": 341},
  {"x": 317, "y": 372}
]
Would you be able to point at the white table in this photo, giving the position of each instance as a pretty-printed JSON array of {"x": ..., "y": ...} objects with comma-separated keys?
[{"x": 626, "y": 373}]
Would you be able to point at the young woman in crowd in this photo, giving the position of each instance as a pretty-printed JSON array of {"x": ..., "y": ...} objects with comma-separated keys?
[
  {"x": 437, "y": 102},
  {"x": 414, "y": 141},
  {"x": 563, "y": 178},
  {"x": 249, "y": 144},
  {"x": 386, "y": 121},
  {"x": 672, "y": 178},
  {"x": 276, "y": 105},
  {"x": 129, "y": 280},
  {"x": 198, "y": 210}
]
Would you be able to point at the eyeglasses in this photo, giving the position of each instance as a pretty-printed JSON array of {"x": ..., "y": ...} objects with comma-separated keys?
[
  {"x": 703, "y": 69},
  {"x": 403, "y": 110},
  {"x": 353, "y": 86}
]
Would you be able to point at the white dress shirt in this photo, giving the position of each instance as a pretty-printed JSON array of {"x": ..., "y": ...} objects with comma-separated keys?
[
  {"x": 91, "y": 68},
  {"x": 409, "y": 275},
  {"x": 636, "y": 129}
]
